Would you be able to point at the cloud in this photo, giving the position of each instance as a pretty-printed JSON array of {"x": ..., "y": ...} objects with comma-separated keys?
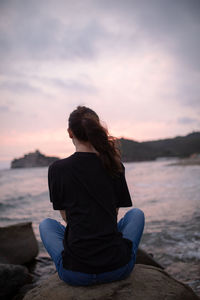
[
  {"x": 46, "y": 83},
  {"x": 171, "y": 26},
  {"x": 135, "y": 62},
  {"x": 38, "y": 30},
  {"x": 33, "y": 32},
  {"x": 187, "y": 120},
  {"x": 4, "y": 108},
  {"x": 187, "y": 88},
  {"x": 73, "y": 85},
  {"x": 19, "y": 87}
]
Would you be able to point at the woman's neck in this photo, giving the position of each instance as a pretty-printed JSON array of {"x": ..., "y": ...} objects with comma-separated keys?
[{"x": 83, "y": 147}]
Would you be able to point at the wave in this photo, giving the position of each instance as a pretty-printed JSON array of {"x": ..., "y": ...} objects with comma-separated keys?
[
  {"x": 4, "y": 206},
  {"x": 14, "y": 201},
  {"x": 21, "y": 199}
]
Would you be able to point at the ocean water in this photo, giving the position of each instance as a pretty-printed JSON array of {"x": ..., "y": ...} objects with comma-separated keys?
[{"x": 168, "y": 195}]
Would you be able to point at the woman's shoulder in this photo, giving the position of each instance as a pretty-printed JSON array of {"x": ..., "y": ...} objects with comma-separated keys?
[{"x": 62, "y": 163}]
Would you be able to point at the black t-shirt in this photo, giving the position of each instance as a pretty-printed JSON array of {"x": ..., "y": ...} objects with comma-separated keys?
[{"x": 82, "y": 187}]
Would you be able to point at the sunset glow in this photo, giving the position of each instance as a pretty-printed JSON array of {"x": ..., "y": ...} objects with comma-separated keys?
[{"x": 135, "y": 63}]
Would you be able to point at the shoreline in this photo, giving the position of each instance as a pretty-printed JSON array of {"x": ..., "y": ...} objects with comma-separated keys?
[{"x": 186, "y": 162}]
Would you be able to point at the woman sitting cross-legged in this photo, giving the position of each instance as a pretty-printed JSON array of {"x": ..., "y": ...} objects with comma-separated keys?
[{"x": 88, "y": 188}]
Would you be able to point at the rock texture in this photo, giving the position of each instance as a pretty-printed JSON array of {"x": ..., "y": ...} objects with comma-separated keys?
[
  {"x": 144, "y": 283},
  {"x": 33, "y": 159},
  {"x": 18, "y": 244},
  {"x": 146, "y": 259},
  {"x": 12, "y": 277}
]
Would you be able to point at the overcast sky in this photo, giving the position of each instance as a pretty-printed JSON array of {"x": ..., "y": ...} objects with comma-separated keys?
[{"x": 136, "y": 63}]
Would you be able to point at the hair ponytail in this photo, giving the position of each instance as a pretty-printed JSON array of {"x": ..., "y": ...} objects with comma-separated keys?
[{"x": 86, "y": 126}]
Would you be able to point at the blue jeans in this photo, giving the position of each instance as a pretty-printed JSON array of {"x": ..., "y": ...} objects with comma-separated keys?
[{"x": 52, "y": 235}]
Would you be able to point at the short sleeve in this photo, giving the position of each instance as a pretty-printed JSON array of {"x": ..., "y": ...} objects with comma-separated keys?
[
  {"x": 56, "y": 188},
  {"x": 123, "y": 198}
]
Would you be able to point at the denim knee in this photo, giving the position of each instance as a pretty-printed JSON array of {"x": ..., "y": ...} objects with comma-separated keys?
[
  {"x": 137, "y": 211},
  {"x": 44, "y": 223}
]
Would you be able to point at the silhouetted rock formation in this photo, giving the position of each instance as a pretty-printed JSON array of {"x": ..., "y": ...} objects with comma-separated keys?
[{"x": 33, "y": 159}]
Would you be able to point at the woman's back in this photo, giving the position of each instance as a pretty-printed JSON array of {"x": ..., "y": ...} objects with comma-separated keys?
[{"x": 82, "y": 187}]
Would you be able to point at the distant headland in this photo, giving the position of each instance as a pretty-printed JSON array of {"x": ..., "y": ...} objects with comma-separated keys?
[
  {"x": 180, "y": 146},
  {"x": 33, "y": 159}
]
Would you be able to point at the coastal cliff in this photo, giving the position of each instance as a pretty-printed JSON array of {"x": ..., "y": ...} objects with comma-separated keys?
[{"x": 33, "y": 159}]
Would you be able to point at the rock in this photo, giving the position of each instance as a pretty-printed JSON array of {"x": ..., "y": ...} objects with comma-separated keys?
[
  {"x": 18, "y": 244},
  {"x": 12, "y": 277},
  {"x": 144, "y": 283},
  {"x": 146, "y": 259},
  {"x": 33, "y": 159}
]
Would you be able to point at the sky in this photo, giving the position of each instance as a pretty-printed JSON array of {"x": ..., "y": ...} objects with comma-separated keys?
[{"x": 136, "y": 63}]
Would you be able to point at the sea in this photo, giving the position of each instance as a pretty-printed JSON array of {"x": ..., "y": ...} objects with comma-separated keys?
[{"x": 168, "y": 194}]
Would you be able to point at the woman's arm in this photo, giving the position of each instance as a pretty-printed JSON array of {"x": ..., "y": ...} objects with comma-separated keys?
[{"x": 63, "y": 215}]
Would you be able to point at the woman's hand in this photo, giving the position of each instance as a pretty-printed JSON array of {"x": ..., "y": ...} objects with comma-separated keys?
[{"x": 63, "y": 215}]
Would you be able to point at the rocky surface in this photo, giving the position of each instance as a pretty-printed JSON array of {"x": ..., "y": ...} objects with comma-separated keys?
[
  {"x": 33, "y": 159},
  {"x": 142, "y": 257},
  {"x": 146, "y": 259},
  {"x": 18, "y": 244},
  {"x": 144, "y": 283},
  {"x": 12, "y": 277}
]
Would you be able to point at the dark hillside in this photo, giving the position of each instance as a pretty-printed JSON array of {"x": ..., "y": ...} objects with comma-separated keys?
[
  {"x": 135, "y": 151},
  {"x": 180, "y": 146}
]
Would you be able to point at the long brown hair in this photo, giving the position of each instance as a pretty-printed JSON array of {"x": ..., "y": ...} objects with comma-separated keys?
[{"x": 85, "y": 125}]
